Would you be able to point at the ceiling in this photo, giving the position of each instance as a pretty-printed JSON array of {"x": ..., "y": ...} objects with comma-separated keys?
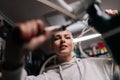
[{"x": 22, "y": 10}]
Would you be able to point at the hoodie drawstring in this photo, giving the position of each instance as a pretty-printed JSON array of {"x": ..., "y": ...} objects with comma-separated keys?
[
  {"x": 60, "y": 69},
  {"x": 61, "y": 76},
  {"x": 78, "y": 67}
]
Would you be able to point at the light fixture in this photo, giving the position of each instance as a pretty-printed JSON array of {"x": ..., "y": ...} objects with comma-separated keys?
[{"x": 86, "y": 37}]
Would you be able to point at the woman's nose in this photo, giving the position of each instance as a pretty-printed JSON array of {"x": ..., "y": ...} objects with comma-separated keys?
[{"x": 63, "y": 40}]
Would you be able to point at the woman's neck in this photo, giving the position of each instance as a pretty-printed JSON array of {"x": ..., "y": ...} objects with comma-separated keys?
[{"x": 64, "y": 58}]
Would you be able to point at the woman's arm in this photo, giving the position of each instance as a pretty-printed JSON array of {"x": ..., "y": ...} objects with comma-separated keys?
[{"x": 25, "y": 36}]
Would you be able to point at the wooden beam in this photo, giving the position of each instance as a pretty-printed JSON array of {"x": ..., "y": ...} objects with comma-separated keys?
[{"x": 58, "y": 8}]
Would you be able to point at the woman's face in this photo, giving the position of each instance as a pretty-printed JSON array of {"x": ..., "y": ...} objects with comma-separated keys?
[{"x": 63, "y": 43}]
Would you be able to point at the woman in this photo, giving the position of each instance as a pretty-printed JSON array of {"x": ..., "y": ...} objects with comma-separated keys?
[{"x": 66, "y": 66}]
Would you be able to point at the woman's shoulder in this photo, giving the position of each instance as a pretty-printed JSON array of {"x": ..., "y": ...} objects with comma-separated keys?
[{"x": 94, "y": 60}]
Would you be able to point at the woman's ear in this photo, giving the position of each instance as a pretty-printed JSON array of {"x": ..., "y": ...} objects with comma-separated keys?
[
  {"x": 74, "y": 46},
  {"x": 51, "y": 47},
  {"x": 51, "y": 43}
]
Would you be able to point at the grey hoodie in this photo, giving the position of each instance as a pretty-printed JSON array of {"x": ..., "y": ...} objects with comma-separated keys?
[{"x": 76, "y": 69}]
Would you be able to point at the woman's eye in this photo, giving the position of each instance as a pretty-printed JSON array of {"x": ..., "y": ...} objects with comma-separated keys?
[
  {"x": 68, "y": 37},
  {"x": 56, "y": 38}
]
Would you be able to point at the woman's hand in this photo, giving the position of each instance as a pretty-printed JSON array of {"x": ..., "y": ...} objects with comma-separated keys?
[
  {"x": 111, "y": 12},
  {"x": 31, "y": 33}
]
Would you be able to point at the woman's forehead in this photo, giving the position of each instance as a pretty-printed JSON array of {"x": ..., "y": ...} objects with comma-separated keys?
[{"x": 63, "y": 32}]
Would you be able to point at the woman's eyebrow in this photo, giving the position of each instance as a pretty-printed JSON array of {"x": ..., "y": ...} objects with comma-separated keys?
[{"x": 56, "y": 35}]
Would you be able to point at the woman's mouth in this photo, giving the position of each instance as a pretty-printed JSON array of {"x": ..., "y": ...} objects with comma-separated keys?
[{"x": 63, "y": 47}]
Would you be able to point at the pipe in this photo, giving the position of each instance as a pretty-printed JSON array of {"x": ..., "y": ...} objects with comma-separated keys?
[{"x": 65, "y": 5}]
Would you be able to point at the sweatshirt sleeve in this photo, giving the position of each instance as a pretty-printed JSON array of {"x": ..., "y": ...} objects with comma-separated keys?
[{"x": 19, "y": 74}]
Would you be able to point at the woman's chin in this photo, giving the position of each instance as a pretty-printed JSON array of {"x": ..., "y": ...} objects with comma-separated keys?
[{"x": 64, "y": 53}]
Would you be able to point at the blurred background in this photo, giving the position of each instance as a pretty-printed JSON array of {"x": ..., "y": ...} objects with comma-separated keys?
[{"x": 52, "y": 13}]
